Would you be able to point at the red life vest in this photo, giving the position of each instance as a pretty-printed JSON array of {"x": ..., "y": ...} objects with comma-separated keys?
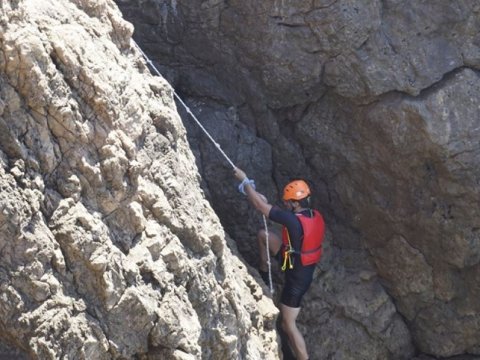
[{"x": 313, "y": 233}]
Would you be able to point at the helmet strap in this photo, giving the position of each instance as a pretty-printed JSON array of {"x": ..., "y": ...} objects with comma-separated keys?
[{"x": 295, "y": 205}]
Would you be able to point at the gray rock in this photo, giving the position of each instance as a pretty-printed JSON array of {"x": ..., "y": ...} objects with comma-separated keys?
[
  {"x": 375, "y": 104},
  {"x": 109, "y": 248}
]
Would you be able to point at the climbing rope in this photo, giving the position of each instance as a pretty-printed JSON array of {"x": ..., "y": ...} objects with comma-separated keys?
[
  {"x": 152, "y": 65},
  {"x": 270, "y": 285},
  {"x": 149, "y": 62}
]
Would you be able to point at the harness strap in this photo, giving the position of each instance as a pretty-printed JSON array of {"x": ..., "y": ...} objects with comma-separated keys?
[
  {"x": 287, "y": 258},
  {"x": 287, "y": 255}
]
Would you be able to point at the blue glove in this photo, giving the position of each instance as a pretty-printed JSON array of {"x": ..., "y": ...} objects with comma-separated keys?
[{"x": 246, "y": 181}]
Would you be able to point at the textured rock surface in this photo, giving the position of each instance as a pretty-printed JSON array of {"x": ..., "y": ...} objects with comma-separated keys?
[
  {"x": 108, "y": 247},
  {"x": 377, "y": 104}
]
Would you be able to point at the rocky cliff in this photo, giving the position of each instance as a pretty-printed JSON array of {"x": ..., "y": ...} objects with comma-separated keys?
[
  {"x": 376, "y": 103},
  {"x": 108, "y": 247}
]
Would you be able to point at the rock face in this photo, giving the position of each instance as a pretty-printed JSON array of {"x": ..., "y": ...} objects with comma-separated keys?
[
  {"x": 376, "y": 103},
  {"x": 108, "y": 247}
]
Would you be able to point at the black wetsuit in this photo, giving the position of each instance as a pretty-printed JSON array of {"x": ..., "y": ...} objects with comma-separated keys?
[{"x": 298, "y": 279}]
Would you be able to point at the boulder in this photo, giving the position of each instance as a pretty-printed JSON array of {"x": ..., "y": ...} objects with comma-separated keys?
[{"x": 109, "y": 247}]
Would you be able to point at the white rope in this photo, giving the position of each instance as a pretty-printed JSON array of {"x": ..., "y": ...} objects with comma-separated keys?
[
  {"x": 186, "y": 107},
  {"x": 269, "y": 263},
  {"x": 149, "y": 62}
]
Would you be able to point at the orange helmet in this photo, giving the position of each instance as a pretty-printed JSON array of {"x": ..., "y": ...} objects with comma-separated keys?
[{"x": 296, "y": 190}]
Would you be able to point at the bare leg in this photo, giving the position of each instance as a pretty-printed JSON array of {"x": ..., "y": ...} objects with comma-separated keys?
[
  {"x": 289, "y": 325},
  {"x": 274, "y": 243}
]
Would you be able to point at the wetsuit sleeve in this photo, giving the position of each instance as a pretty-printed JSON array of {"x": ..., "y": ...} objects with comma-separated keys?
[{"x": 291, "y": 222}]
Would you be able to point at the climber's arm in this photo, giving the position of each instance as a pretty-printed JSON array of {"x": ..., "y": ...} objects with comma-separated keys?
[{"x": 259, "y": 201}]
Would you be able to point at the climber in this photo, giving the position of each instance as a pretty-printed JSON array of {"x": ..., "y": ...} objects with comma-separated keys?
[{"x": 300, "y": 248}]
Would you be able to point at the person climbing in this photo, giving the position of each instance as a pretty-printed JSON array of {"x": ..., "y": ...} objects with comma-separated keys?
[{"x": 300, "y": 247}]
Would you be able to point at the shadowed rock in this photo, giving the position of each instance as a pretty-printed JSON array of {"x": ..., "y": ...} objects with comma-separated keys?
[{"x": 376, "y": 104}]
